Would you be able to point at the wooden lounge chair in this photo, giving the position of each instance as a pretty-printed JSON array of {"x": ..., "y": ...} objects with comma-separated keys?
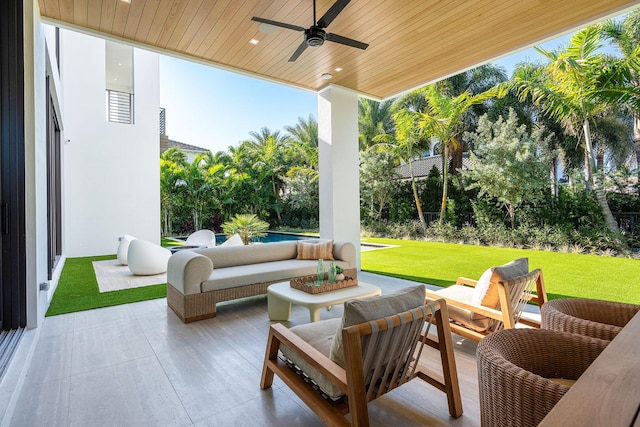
[
  {"x": 495, "y": 301},
  {"x": 379, "y": 355}
]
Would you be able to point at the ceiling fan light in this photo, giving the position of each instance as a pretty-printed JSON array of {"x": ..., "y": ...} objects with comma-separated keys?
[{"x": 266, "y": 28}]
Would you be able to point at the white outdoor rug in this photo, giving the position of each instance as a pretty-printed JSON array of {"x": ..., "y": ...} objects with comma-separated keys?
[{"x": 113, "y": 277}]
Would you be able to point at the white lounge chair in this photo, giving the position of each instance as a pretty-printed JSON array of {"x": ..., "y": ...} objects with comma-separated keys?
[
  {"x": 202, "y": 238},
  {"x": 146, "y": 258},
  {"x": 234, "y": 240},
  {"x": 123, "y": 248}
]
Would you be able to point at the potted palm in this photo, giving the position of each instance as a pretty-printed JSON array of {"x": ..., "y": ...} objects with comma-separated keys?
[{"x": 248, "y": 226}]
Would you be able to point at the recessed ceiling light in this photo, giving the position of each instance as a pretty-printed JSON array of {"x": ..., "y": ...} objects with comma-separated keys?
[
  {"x": 254, "y": 41},
  {"x": 266, "y": 28},
  {"x": 326, "y": 76},
  {"x": 126, "y": 1},
  {"x": 337, "y": 70}
]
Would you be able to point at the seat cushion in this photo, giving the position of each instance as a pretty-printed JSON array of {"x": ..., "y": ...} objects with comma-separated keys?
[
  {"x": 461, "y": 315},
  {"x": 320, "y": 335},
  {"x": 365, "y": 309}
]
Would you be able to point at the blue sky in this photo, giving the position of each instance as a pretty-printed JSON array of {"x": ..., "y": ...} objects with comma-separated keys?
[{"x": 216, "y": 109}]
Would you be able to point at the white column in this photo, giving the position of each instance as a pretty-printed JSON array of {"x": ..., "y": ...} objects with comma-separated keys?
[{"x": 339, "y": 166}]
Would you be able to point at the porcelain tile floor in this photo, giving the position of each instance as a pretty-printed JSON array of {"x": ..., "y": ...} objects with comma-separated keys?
[{"x": 139, "y": 365}]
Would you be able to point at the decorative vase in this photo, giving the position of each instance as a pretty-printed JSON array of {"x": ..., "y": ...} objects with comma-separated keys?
[
  {"x": 320, "y": 272},
  {"x": 331, "y": 273}
]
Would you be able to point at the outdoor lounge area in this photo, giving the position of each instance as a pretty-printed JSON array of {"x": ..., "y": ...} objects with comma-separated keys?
[
  {"x": 138, "y": 364},
  {"x": 79, "y": 167}
]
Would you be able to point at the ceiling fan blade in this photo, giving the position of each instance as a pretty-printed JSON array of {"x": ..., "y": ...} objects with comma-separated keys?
[
  {"x": 278, "y": 24},
  {"x": 331, "y": 14},
  {"x": 346, "y": 41},
  {"x": 298, "y": 51}
]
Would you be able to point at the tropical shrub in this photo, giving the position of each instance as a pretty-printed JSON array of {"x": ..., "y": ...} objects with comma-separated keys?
[{"x": 248, "y": 226}]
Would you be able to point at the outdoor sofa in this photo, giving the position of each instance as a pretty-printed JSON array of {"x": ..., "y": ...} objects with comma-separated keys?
[{"x": 198, "y": 279}]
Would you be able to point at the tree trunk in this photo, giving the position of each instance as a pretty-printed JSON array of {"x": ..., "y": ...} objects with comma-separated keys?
[
  {"x": 598, "y": 189},
  {"x": 445, "y": 182},
  {"x": 512, "y": 216},
  {"x": 275, "y": 193},
  {"x": 600, "y": 161},
  {"x": 553, "y": 177},
  {"x": 417, "y": 199},
  {"x": 589, "y": 161},
  {"x": 636, "y": 143},
  {"x": 456, "y": 162}
]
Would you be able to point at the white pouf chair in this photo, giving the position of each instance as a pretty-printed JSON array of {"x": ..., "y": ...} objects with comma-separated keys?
[
  {"x": 146, "y": 258},
  {"x": 123, "y": 248},
  {"x": 234, "y": 240},
  {"x": 202, "y": 238}
]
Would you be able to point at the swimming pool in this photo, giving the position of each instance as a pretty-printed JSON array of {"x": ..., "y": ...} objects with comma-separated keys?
[{"x": 272, "y": 236}]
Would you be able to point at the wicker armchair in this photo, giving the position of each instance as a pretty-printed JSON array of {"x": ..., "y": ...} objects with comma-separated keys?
[
  {"x": 594, "y": 318},
  {"x": 523, "y": 373}
]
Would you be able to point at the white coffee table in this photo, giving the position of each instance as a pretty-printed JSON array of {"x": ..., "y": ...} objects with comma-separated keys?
[{"x": 280, "y": 296}]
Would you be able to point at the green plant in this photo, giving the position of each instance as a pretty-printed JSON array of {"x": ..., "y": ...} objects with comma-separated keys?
[{"x": 248, "y": 226}]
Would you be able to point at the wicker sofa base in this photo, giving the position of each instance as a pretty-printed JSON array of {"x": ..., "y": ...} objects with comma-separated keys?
[{"x": 190, "y": 308}]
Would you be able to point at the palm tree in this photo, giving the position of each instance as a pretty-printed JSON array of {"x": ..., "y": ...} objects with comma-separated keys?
[
  {"x": 196, "y": 189},
  {"x": 408, "y": 144},
  {"x": 172, "y": 163},
  {"x": 303, "y": 145},
  {"x": 267, "y": 149},
  {"x": 443, "y": 119},
  {"x": 625, "y": 35},
  {"x": 575, "y": 86},
  {"x": 374, "y": 118},
  {"x": 248, "y": 226}
]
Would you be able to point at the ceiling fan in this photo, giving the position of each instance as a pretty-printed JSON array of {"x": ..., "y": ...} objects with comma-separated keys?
[{"x": 316, "y": 34}]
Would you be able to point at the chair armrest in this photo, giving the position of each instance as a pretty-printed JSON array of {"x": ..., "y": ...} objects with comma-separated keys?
[
  {"x": 345, "y": 251},
  {"x": 465, "y": 281},
  {"x": 187, "y": 270},
  {"x": 485, "y": 311},
  {"x": 325, "y": 366}
]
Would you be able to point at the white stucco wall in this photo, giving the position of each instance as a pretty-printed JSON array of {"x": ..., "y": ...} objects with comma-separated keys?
[
  {"x": 35, "y": 164},
  {"x": 111, "y": 170}
]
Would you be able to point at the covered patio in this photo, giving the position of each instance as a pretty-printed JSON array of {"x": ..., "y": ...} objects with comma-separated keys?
[{"x": 138, "y": 364}]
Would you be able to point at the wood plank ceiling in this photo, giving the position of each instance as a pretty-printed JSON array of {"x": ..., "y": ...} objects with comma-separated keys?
[{"x": 412, "y": 42}]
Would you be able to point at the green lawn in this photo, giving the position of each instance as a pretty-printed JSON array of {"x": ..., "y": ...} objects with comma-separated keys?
[
  {"x": 565, "y": 275},
  {"x": 78, "y": 289}
]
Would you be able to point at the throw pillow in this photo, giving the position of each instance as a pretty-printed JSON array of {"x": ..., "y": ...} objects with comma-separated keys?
[
  {"x": 322, "y": 249},
  {"x": 363, "y": 310},
  {"x": 486, "y": 291}
]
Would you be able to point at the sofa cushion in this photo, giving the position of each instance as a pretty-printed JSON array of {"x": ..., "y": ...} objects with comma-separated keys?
[
  {"x": 229, "y": 256},
  {"x": 240, "y": 275},
  {"x": 365, "y": 309},
  {"x": 320, "y": 335},
  {"x": 315, "y": 249}
]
